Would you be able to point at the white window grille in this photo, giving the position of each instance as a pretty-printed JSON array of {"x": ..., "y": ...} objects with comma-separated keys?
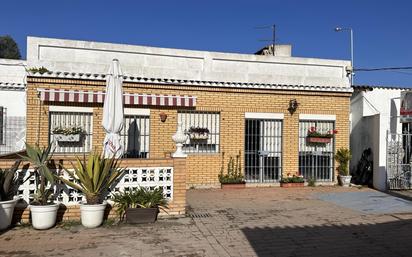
[
  {"x": 2, "y": 125},
  {"x": 204, "y": 120},
  {"x": 72, "y": 119},
  {"x": 316, "y": 160},
  {"x": 136, "y": 135}
]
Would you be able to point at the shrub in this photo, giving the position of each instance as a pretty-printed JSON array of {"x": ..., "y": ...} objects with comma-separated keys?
[{"x": 234, "y": 171}]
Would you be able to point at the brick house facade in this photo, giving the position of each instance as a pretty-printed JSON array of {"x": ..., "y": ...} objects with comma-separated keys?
[{"x": 232, "y": 105}]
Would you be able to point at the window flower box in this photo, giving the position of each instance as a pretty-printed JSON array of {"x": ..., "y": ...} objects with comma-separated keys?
[
  {"x": 319, "y": 140},
  {"x": 320, "y": 137},
  {"x": 68, "y": 134},
  {"x": 67, "y": 138},
  {"x": 233, "y": 185},
  {"x": 197, "y": 133},
  {"x": 198, "y": 136},
  {"x": 292, "y": 181}
]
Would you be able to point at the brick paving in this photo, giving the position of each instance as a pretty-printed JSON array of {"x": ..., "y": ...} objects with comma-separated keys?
[{"x": 246, "y": 222}]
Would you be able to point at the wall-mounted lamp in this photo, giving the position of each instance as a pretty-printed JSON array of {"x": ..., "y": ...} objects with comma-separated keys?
[
  {"x": 163, "y": 116},
  {"x": 293, "y": 106}
]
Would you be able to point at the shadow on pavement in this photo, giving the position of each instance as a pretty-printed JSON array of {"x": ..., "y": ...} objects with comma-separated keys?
[{"x": 383, "y": 239}]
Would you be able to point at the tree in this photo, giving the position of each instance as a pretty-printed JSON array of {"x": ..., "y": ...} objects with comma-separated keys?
[{"x": 9, "y": 48}]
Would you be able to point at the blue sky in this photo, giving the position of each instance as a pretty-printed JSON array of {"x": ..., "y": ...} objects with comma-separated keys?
[{"x": 382, "y": 29}]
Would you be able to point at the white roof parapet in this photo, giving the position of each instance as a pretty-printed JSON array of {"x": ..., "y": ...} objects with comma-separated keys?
[
  {"x": 164, "y": 81},
  {"x": 12, "y": 86},
  {"x": 84, "y": 57}
]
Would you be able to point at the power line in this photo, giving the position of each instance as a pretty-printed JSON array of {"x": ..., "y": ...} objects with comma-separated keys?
[{"x": 383, "y": 69}]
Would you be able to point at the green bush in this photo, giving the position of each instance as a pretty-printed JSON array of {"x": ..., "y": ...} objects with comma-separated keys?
[
  {"x": 293, "y": 179},
  {"x": 139, "y": 198}
]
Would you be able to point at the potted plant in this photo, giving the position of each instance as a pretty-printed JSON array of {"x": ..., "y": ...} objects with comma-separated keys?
[
  {"x": 8, "y": 187},
  {"x": 292, "y": 181},
  {"x": 68, "y": 134},
  {"x": 93, "y": 177},
  {"x": 233, "y": 178},
  {"x": 197, "y": 133},
  {"x": 318, "y": 137},
  {"x": 139, "y": 205},
  {"x": 42, "y": 208},
  {"x": 342, "y": 156}
]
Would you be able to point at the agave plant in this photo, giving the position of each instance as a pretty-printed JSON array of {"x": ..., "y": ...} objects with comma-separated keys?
[
  {"x": 93, "y": 177},
  {"x": 39, "y": 158},
  {"x": 8, "y": 182},
  {"x": 139, "y": 198}
]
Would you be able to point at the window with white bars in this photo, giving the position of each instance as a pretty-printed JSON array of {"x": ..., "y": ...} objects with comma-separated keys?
[
  {"x": 135, "y": 136},
  {"x": 209, "y": 125},
  {"x": 62, "y": 119},
  {"x": 2, "y": 125},
  {"x": 316, "y": 159}
]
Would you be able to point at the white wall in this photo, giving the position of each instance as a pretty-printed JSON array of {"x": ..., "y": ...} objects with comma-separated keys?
[
  {"x": 153, "y": 62},
  {"x": 383, "y": 105}
]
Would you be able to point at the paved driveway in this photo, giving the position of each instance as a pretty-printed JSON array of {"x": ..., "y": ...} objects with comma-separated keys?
[{"x": 249, "y": 222}]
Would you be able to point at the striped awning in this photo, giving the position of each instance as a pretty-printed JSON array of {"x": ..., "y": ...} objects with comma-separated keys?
[{"x": 79, "y": 96}]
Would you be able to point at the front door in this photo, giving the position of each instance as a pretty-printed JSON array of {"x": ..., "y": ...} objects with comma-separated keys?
[{"x": 263, "y": 150}]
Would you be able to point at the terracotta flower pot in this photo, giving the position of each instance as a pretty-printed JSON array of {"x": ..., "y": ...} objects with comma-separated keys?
[
  {"x": 289, "y": 185},
  {"x": 233, "y": 186}
]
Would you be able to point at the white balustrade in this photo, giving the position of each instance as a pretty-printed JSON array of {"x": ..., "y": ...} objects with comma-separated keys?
[{"x": 150, "y": 177}]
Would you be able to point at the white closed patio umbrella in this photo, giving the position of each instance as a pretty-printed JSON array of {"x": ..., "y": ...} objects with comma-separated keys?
[{"x": 113, "y": 112}]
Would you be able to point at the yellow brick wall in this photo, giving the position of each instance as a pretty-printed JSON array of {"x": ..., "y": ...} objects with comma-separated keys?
[{"x": 202, "y": 170}]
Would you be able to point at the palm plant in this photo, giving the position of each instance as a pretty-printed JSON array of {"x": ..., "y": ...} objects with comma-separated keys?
[
  {"x": 93, "y": 177},
  {"x": 139, "y": 198},
  {"x": 342, "y": 156},
  {"x": 9, "y": 182},
  {"x": 39, "y": 158}
]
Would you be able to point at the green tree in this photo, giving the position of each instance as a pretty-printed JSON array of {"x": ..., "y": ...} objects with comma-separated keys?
[{"x": 9, "y": 48}]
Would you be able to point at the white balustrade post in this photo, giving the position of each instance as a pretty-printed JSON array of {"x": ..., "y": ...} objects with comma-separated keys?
[{"x": 179, "y": 138}]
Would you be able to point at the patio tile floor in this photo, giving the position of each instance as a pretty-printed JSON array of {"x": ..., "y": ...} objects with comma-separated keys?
[{"x": 242, "y": 222}]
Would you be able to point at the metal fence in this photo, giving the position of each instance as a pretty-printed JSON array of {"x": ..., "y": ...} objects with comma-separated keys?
[
  {"x": 263, "y": 150},
  {"x": 316, "y": 160},
  {"x": 3, "y": 116},
  {"x": 398, "y": 160},
  {"x": 135, "y": 136},
  {"x": 13, "y": 134},
  {"x": 71, "y": 119},
  {"x": 203, "y": 120}
]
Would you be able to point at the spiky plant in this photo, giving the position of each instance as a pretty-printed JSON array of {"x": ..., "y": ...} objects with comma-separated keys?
[
  {"x": 39, "y": 159},
  {"x": 342, "y": 156},
  {"x": 9, "y": 182},
  {"x": 94, "y": 176}
]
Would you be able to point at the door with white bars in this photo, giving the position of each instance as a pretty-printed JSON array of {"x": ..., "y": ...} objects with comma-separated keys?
[
  {"x": 263, "y": 150},
  {"x": 316, "y": 160}
]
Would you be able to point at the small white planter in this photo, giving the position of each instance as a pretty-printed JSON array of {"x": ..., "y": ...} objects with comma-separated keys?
[
  {"x": 92, "y": 215},
  {"x": 6, "y": 213},
  {"x": 345, "y": 180},
  {"x": 43, "y": 216},
  {"x": 67, "y": 138}
]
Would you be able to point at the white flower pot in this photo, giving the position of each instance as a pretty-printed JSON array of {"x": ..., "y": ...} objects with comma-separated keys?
[
  {"x": 92, "y": 214},
  {"x": 6, "y": 213},
  {"x": 67, "y": 138},
  {"x": 345, "y": 180},
  {"x": 43, "y": 216}
]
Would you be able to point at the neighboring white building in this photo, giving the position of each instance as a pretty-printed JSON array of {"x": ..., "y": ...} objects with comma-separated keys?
[
  {"x": 375, "y": 111},
  {"x": 12, "y": 105}
]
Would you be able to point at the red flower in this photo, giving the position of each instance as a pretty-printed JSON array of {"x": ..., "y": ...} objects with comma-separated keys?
[
  {"x": 312, "y": 129},
  {"x": 335, "y": 131}
]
